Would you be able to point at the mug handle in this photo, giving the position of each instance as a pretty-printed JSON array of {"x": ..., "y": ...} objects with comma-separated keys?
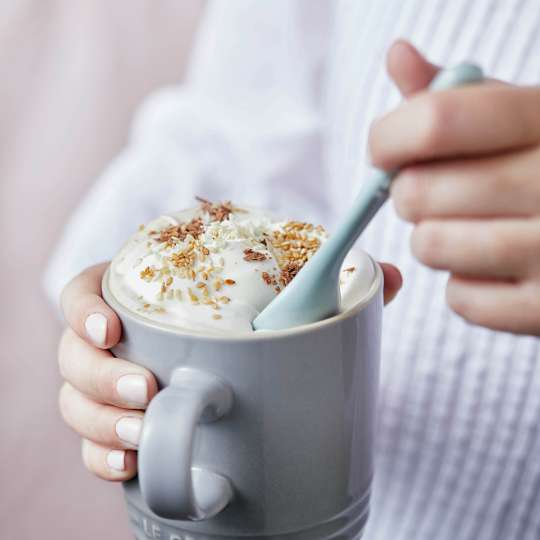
[{"x": 170, "y": 486}]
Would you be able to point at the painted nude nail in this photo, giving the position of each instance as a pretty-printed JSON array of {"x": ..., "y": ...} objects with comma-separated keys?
[
  {"x": 116, "y": 460},
  {"x": 133, "y": 389},
  {"x": 96, "y": 328},
  {"x": 128, "y": 429}
]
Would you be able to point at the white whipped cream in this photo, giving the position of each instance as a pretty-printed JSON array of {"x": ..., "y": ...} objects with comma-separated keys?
[{"x": 218, "y": 281}]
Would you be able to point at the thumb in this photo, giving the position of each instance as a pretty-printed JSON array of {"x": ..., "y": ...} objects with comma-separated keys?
[
  {"x": 408, "y": 68},
  {"x": 392, "y": 281}
]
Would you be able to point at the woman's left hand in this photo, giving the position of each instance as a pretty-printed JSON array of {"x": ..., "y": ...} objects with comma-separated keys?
[{"x": 470, "y": 183}]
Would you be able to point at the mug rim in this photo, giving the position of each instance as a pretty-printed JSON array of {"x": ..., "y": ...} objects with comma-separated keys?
[{"x": 258, "y": 335}]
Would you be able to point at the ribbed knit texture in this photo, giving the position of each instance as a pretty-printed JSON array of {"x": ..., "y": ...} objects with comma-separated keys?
[{"x": 276, "y": 113}]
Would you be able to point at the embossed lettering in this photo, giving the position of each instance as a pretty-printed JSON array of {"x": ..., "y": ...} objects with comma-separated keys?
[{"x": 152, "y": 530}]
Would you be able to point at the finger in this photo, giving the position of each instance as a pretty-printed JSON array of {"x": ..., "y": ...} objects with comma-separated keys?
[
  {"x": 505, "y": 249},
  {"x": 500, "y": 306},
  {"x": 103, "y": 377},
  {"x": 86, "y": 311},
  {"x": 409, "y": 70},
  {"x": 477, "y": 119},
  {"x": 109, "y": 464},
  {"x": 487, "y": 187},
  {"x": 393, "y": 281},
  {"x": 103, "y": 424}
]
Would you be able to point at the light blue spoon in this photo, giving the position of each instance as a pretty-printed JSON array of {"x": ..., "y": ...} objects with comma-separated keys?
[{"x": 313, "y": 295}]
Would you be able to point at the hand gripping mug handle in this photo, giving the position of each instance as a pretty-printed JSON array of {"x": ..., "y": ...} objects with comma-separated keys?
[{"x": 170, "y": 486}]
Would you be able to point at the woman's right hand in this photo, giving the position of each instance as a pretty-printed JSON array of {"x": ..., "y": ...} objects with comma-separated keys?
[{"x": 103, "y": 397}]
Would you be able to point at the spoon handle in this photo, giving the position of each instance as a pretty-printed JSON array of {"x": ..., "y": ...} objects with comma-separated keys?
[{"x": 376, "y": 190}]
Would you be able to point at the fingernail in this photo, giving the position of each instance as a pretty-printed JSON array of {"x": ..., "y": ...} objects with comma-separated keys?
[
  {"x": 116, "y": 460},
  {"x": 96, "y": 328},
  {"x": 133, "y": 389},
  {"x": 128, "y": 428}
]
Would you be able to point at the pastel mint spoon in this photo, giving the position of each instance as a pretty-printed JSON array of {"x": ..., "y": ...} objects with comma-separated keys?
[{"x": 313, "y": 295}]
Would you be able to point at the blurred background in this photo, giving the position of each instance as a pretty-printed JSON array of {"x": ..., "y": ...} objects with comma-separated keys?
[{"x": 71, "y": 74}]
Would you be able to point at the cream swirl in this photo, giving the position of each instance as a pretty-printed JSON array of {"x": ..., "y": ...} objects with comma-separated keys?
[{"x": 212, "y": 269}]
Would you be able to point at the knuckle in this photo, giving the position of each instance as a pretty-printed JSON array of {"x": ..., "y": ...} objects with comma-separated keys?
[
  {"x": 91, "y": 455},
  {"x": 501, "y": 246},
  {"x": 535, "y": 323},
  {"x": 61, "y": 354},
  {"x": 64, "y": 348},
  {"x": 71, "y": 297},
  {"x": 79, "y": 308},
  {"x": 454, "y": 300},
  {"x": 501, "y": 183},
  {"x": 533, "y": 249},
  {"x": 105, "y": 428},
  {"x": 533, "y": 307},
  {"x": 65, "y": 293},
  {"x": 427, "y": 242},
  {"x": 65, "y": 397},
  {"x": 460, "y": 303},
  {"x": 374, "y": 146},
  {"x": 80, "y": 305},
  {"x": 533, "y": 184},
  {"x": 409, "y": 195},
  {"x": 86, "y": 451},
  {"x": 531, "y": 302},
  {"x": 104, "y": 382},
  {"x": 434, "y": 117}
]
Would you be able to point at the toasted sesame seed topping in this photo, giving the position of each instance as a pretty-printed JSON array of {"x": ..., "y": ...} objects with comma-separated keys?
[
  {"x": 218, "y": 212},
  {"x": 252, "y": 255},
  {"x": 177, "y": 233},
  {"x": 269, "y": 279},
  {"x": 193, "y": 297},
  {"x": 288, "y": 273},
  {"x": 293, "y": 248},
  {"x": 194, "y": 250},
  {"x": 148, "y": 273}
]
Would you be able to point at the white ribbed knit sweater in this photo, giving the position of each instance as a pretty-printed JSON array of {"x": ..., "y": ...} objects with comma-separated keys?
[{"x": 275, "y": 113}]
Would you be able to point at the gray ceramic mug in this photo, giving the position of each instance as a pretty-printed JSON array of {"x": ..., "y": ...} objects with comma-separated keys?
[{"x": 264, "y": 436}]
